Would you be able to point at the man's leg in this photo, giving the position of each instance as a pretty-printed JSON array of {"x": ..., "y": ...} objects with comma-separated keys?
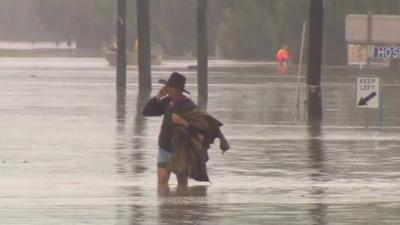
[
  {"x": 182, "y": 187},
  {"x": 162, "y": 179},
  {"x": 162, "y": 162},
  {"x": 163, "y": 175},
  {"x": 183, "y": 180}
]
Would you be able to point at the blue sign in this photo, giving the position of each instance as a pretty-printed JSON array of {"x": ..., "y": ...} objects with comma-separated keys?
[{"x": 387, "y": 52}]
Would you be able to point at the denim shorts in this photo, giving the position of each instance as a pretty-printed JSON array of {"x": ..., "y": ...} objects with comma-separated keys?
[{"x": 163, "y": 158}]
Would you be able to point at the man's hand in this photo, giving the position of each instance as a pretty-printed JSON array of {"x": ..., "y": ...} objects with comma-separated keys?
[
  {"x": 162, "y": 93},
  {"x": 201, "y": 137},
  {"x": 176, "y": 119}
]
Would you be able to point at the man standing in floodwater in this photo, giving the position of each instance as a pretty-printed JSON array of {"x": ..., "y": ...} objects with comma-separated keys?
[
  {"x": 186, "y": 134},
  {"x": 169, "y": 101}
]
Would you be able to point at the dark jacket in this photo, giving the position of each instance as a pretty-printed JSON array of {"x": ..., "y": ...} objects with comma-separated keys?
[{"x": 165, "y": 106}]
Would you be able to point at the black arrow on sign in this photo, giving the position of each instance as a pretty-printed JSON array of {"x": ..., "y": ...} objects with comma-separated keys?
[{"x": 364, "y": 101}]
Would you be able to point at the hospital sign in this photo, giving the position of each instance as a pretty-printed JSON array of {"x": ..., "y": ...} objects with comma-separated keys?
[{"x": 386, "y": 52}]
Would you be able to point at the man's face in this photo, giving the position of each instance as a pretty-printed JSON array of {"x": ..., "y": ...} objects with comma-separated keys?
[{"x": 172, "y": 91}]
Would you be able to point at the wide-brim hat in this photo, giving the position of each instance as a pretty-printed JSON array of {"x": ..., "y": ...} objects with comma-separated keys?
[{"x": 175, "y": 80}]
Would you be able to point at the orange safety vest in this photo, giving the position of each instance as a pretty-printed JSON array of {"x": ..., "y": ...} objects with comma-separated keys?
[{"x": 282, "y": 55}]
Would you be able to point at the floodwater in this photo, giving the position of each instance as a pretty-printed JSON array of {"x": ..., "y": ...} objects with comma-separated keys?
[
  {"x": 35, "y": 45},
  {"x": 73, "y": 151}
]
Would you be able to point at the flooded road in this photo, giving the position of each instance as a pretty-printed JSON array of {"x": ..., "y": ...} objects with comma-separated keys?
[{"x": 72, "y": 151}]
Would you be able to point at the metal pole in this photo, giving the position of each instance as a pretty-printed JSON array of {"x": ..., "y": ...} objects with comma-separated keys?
[
  {"x": 121, "y": 45},
  {"x": 381, "y": 111},
  {"x": 315, "y": 61},
  {"x": 300, "y": 65},
  {"x": 144, "y": 50},
  {"x": 369, "y": 36},
  {"x": 202, "y": 53}
]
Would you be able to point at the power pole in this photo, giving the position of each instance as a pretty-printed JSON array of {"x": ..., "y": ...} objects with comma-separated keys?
[
  {"x": 315, "y": 60},
  {"x": 202, "y": 53},
  {"x": 144, "y": 50},
  {"x": 121, "y": 45}
]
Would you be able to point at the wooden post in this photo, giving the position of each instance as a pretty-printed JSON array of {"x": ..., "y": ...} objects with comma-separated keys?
[
  {"x": 202, "y": 53},
  {"x": 315, "y": 60},
  {"x": 121, "y": 45},
  {"x": 144, "y": 46}
]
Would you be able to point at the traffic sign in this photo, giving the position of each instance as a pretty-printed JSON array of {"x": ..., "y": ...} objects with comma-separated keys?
[{"x": 367, "y": 94}]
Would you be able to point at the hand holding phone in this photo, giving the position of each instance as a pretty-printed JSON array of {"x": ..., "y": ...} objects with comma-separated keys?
[{"x": 162, "y": 93}]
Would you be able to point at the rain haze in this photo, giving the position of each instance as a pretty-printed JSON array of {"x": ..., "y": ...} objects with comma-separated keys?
[{"x": 310, "y": 110}]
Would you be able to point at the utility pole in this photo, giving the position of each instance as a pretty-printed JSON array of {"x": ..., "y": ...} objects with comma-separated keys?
[
  {"x": 202, "y": 53},
  {"x": 315, "y": 61},
  {"x": 144, "y": 46},
  {"x": 121, "y": 45}
]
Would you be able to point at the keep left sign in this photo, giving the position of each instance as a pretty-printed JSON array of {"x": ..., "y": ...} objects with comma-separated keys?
[{"x": 367, "y": 94}]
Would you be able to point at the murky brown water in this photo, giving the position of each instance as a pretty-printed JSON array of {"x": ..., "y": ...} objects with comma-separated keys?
[{"x": 72, "y": 152}]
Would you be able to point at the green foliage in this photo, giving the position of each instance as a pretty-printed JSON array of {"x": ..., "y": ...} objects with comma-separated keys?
[
  {"x": 244, "y": 38},
  {"x": 178, "y": 26},
  {"x": 18, "y": 23},
  {"x": 258, "y": 28}
]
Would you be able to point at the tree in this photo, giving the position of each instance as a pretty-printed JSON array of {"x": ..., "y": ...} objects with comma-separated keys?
[
  {"x": 244, "y": 30},
  {"x": 89, "y": 23},
  {"x": 257, "y": 28},
  {"x": 18, "y": 22},
  {"x": 178, "y": 26}
]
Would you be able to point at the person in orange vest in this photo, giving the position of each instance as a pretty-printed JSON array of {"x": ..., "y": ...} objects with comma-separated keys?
[{"x": 283, "y": 56}]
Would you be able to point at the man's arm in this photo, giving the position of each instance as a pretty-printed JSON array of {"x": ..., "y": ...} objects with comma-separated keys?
[
  {"x": 176, "y": 119},
  {"x": 156, "y": 106}
]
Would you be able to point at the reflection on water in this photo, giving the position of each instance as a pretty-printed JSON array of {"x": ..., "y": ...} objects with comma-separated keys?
[
  {"x": 318, "y": 174},
  {"x": 131, "y": 157},
  {"x": 315, "y": 146},
  {"x": 120, "y": 129},
  {"x": 319, "y": 214},
  {"x": 121, "y": 107},
  {"x": 185, "y": 207},
  {"x": 139, "y": 130},
  {"x": 133, "y": 213},
  {"x": 130, "y": 147}
]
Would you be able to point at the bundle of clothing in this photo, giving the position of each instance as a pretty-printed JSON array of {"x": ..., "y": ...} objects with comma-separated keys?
[{"x": 191, "y": 152}]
